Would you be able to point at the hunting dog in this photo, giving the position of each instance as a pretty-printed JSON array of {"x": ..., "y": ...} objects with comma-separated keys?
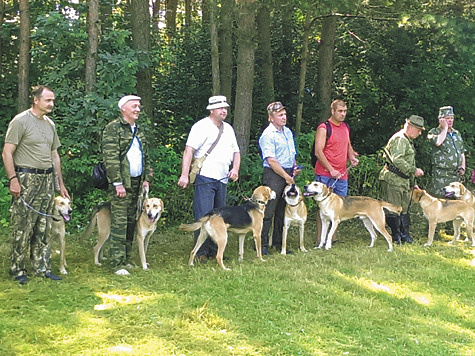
[
  {"x": 295, "y": 214},
  {"x": 458, "y": 191},
  {"x": 334, "y": 209},
  {"x": 240, "y": 219},
  {"x": 61, "y": 214},
  {"x": 441, "y": 210},
  {"x": 146, "y": 226}
]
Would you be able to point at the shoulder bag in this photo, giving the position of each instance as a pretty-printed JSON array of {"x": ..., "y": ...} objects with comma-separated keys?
[
  {"x": 99, "y": 173},
  {"x": 197, "y": 163}
]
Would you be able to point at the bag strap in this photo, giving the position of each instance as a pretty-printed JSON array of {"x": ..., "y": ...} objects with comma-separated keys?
[
  {"x": 130, "y": 144},
  {"x": 221, "y": 129}
]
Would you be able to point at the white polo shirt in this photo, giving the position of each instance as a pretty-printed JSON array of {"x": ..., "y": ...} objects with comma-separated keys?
[{"x": 202, "y": 135}]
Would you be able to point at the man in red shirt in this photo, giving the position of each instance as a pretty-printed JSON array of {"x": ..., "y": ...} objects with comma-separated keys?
[{"x": 333, "y": 152}]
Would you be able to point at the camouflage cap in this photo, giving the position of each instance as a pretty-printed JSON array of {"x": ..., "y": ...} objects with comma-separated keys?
[
  {"x": 446, "y": 111},
  {"x": 416, "y": 121},
  {"x": 275, "y": 106}
]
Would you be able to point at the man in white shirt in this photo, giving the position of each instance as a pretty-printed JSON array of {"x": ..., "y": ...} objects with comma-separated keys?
[
  {"x": 211, "y": 180},
  {"x": 125, "y": 151}
]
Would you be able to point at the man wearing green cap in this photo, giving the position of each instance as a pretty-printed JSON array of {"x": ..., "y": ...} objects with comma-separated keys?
[
  {"x": 448, "y": 153},
  {"x": 397, "y": 176}
]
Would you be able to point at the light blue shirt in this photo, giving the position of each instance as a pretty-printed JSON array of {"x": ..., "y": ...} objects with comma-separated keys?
[{"x": 279, "y": 145}]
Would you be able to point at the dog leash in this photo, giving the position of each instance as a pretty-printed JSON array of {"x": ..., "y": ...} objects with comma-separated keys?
[
  {"x": 39, "y": 212},
  {"x": 337, "y": 179}
]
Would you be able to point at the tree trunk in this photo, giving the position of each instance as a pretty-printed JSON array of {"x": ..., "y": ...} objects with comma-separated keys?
[
  {"x": 156, "y": 14},
  {"x": 2, "y": 16},
  {"x": 264, "y": 58},
  {"x": 285, "y": 13},
  {"x": 226, "y": 44},
  {"x": 245, "y": 72},
  {"x": 24, "y": 57},
  {"x": 188, "y": 12},
  {"x": 213, "y": 29},
  {"x": 170, "y": 17},
  {"x": 325, "y": 65},
  {"x": 106, "y": 13},
  {"x": 204, "y": 12},
  {"x": 140, "y": 25},
  {"x": 93, "y": 35},
  {"x": 303, "y": 73}
]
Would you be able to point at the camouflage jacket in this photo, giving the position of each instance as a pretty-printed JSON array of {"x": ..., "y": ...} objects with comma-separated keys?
[
  {"x": 116, "y": 138},
  {"x": 447, "y": 156},
  {"x": 401, "y": 153}
]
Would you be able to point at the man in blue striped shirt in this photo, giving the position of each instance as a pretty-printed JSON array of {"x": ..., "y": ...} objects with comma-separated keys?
[{"x": 278, "y": 152}]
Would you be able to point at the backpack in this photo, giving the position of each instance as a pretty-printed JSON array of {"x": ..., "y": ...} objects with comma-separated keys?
[{"x": 313, "y": 157}]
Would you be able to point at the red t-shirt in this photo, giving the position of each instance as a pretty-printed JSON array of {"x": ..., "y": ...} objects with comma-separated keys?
[{"x": 336, "y": 150}]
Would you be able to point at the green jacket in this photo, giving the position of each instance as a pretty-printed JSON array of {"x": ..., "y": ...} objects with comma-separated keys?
[
  {"x": 447, "y": 156},
  {"x": 402, "y": 155},
  {"x": 116, "y": 138}
]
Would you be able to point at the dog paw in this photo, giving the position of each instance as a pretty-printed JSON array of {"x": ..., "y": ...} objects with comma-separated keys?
[
  {"x": 63, "y": 271},
  {"x": 303, "y": 249},
  {"x": 429, "y": 244}
]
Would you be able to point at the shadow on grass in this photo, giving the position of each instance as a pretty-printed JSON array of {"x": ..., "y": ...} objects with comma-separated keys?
[{"x": 348, "y": 300}]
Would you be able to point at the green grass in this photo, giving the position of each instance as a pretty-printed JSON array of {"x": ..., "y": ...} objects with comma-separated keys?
[{"x": 350, "y": 300}]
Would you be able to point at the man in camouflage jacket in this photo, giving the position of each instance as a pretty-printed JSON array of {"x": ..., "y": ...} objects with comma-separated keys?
[
  {"x": 398, "y": 174},
  {"x": 448, "y": 157},
  {"x": 124, "y": 149}
]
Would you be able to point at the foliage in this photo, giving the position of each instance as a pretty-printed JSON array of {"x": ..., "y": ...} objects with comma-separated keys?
[
  {"x": 393, "y": 59},
  {"x": 348, "y": 300}
]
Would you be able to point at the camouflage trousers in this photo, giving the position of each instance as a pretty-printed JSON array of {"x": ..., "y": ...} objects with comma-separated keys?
[
  {"x": 123, "y": 221},
  {"x": 441, "y": 178},
  {"x": 397, "y": 195},
  {"x": 31, "y": 229}
]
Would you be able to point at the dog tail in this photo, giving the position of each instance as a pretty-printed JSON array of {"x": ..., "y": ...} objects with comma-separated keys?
[
  {"x": 93, "y": 222},
  {"x": 195, "y": 225},
  {"x": 391, "y": 207}
]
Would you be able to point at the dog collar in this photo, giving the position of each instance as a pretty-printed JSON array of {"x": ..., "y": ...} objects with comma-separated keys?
[
  {"x": 294, "y": 205},
  {"x": 260, "y": 202},
  {"x": 326, "y": 196}
]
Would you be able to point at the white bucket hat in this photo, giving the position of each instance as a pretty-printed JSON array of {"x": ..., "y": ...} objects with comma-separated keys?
[
  {"x": 127, "y": 98},
  {"x": 216, "y": 102}
]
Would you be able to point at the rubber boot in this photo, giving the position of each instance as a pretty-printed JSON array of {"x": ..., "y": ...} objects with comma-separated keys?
[
  {"x": 393, "y": 221},
  {"x": 404, "y": 228}
]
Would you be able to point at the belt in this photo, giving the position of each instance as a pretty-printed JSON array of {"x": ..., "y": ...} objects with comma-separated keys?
[
  {"x": 136, "y": 178},
  {"x": 34, "y": 170},
  {"x": 396, "y": 171}
]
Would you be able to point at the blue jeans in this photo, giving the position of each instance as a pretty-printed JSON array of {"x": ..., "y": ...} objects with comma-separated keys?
[
  {"x": 209, "y": 194},
  {"x": 339, "y": 186}
]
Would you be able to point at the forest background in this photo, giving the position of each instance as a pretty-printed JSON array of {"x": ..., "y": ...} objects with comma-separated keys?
[{"x": 386, "y": 59}]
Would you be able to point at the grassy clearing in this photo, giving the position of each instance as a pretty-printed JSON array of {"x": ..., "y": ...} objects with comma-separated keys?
[{"x": 350, "y": 300}]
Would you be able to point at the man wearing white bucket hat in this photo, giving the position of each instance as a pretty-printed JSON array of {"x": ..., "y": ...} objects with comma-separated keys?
[{"x": 212, "y": 142}]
